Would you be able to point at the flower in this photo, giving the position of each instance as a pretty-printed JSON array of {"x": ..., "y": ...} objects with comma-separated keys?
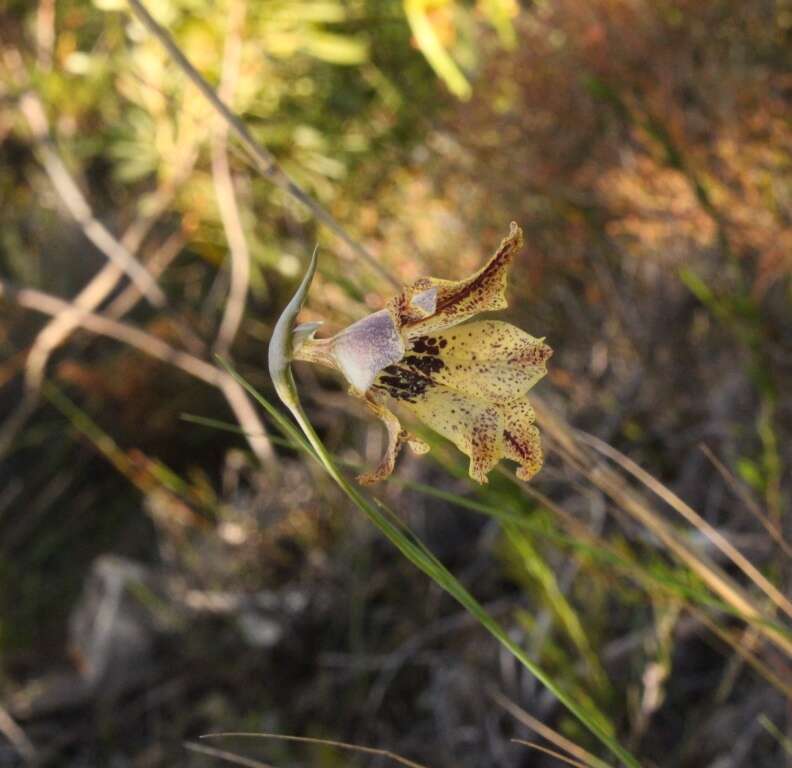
[{"x": 467, "y": 382}]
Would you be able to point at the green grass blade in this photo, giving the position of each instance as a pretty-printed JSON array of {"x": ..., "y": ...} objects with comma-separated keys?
[{"x": 418, "y": 554}]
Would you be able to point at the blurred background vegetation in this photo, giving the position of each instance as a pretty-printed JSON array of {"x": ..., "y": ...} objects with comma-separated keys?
[{"x": 162, "y": 578}]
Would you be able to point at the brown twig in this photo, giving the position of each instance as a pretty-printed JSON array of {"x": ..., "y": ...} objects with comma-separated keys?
[
  {"x": 328, "y": 742},
  {"x": 224, "y": 188},
  {"x": 229, "y": 757},
  {"x": 264, "y": 160},
  {"x": 742, "y": 494},
  {"x": 551, "y": 752},
  {"x": 104, "y": 326},
  {"x": 150, "y": 345},
  {"x": 159, "y": 260},
  {"x": 31, "y": 107},
  {"x": 59, "y": 329},
  {"x": 693, "y": 517},
  {"x": 518, "y": 713},
  {"x": 16, "y": 736}
]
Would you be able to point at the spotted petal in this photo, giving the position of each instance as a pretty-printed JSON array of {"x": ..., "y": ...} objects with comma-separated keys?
[
  {"x": 457, "y": 301},
  {"x": 396, "y": 439},
  {"x": 489, "y": 359},
  {"x": 485, "y": 431}
]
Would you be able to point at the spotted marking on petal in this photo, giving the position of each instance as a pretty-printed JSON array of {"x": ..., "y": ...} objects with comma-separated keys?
[
  {"x": 485, "y": 443},
  {"x": 403, "y": 383},
  {"x": 457, "y": 301},
  {"x": 483, "y": 430},
  {"x": 489, "y": 359},
  {"x": 521, "y": 441},
  {"x": 396, "y": 438}
]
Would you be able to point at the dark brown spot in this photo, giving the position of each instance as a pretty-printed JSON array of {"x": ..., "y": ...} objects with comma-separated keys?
[
  {"x": 523, "y": 449},
  {"x": 403, "y": 383}
]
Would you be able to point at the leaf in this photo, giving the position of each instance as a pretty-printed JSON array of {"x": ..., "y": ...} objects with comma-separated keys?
[
  {"x": 279, "y": 354},
  {"x": 334, "y": 48},
  {"x": 438, "y": 57}
]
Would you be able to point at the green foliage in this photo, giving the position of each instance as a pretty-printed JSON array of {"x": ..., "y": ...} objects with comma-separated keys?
[
  {"x": 642, "y": 146},
  {"x": 395, "y": 530}
]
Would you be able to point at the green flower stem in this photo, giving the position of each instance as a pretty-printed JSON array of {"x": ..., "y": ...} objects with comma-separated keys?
[
  {"x": 389, "y": 524},
  {"x": 416, "y": 552}
]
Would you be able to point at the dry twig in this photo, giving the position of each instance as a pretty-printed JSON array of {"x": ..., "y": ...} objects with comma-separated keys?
[
  {"x": 327, "y": 742},
  {"x": 265, "y": 161},
  {"x": 693, "y": 517},
  {"x": 229, "y": 757},
  {"x": 58, "y": 330},
  {"x": 236, "y": 396},
  {"x": 551, "y": 752},
  {"x": 518, "y": 713},
  {"x": 16, "y": 736},
  {"x": 31, "y": 107},
  {"x": 224, "y": 189}
]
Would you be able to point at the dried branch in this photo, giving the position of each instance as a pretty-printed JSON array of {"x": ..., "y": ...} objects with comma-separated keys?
[
  {"x": 155, "y": 347},
  {"x": 31, "y": 107},
  {"x": 574, "y": 452},
  {"x": 327, "y": 742},
  {"x": 39, "y": 301},
  {"x": 159, "y": 260},
  {"x": 60, "y": 328},
  {"x": 224, "y": 188},
  {"x": 264, "y": 160},
  {"x": 17, "y": 737},
  {"x": 222, "y": 754},
  {"x": 551, "y": 752},
  {"x": 518, "y": 713},
  {"x": 689, "y": 514}
]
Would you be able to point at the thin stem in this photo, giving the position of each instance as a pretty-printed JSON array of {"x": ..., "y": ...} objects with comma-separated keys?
[
  {"x": 157, "y": 348},
  {"x": 265, "y": 161},
  {"x": 224, "y": 189},
  {"x": 31, "y": 107},
  {"x": 412, "y": 548}
]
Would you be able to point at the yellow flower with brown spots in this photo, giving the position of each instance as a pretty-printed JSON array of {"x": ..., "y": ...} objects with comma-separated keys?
[{"x": 467, "y": 382}]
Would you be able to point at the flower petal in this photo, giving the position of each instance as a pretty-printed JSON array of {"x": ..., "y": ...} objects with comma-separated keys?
[
  {"x": 483, "y": 430},
  {"x": 363, "y": 349},
  {"x": 425, "y": 301},
  {"x": 489, "y": 359},
  {"x": 396, "y": 438},
  {"x": 521, "y": 442},
  {"x": 457, "y": 301}
]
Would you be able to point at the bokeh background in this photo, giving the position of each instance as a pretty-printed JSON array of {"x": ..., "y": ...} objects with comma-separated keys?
[{"x": 162, "y": 578}]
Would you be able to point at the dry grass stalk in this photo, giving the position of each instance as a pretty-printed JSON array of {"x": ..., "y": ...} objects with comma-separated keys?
[
  {"x": 229, "y": 757},
  {"x": 17, "y": 737},
  {"x": 224, "y": 189},
  {"x": 743, "y": 650},
  {"x": 715, "y": 536},
  {"x": 325, "y": 742},
  {"x": 518, "y": 713},
  {"x": 551, "y": 752},
  {"x": 150, "y": 345},
  {"x": 740, "y": 491},
  {"x": 576, "y": 454}
]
